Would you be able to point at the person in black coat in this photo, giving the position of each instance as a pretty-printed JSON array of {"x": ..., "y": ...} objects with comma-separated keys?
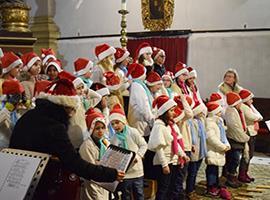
[{"x": 44, "y": 129}]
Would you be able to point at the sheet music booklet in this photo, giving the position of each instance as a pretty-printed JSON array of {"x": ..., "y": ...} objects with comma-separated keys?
[{"x": 118, "y": 158}]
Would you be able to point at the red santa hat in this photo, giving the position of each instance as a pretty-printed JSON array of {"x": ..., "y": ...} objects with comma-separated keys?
[
  {"x": 179, "y": 114},
  {"x": 233, "y": 99},
  {"x": 246, "y": 95},
  {"x": 136, "y": 71},
  {"x": 153, "y": 78},
  {"x": 180, "y": 68},
  {"x": 121, "y": 54},
  {"x": 56, "y": 63},
  {"x": 47, "y": 54},
  {"x": 192, "y": 73},
  {"x": 9, "y": 61},
  {"x": 82, "y": 66},
  {"x": 189, "y": 100},
  {"x": 117, "y": 113},
  {"x": 216, "y": 97},
  {"x": 41, "y": 86},
  {"x": 169, "y": 75},
  {"x": 61, "y": 92},
  {"x": 104, "y": 50},
  {"x": 75, "y": 80},
  {"x": 143, "y": 48},
  {"x": 113, "y": 81},
  {"x": 100, "y": 89},
  {"x": 198, "y": 108},
  {"x": 163, "y": 104},
  {"x": 213, "y": 108},
  {"x": 157, "y": 52},
  {"x": 11, "y": 87},
  {"x": 92, "y": 117},
  {"x": 29, "y": 60}
]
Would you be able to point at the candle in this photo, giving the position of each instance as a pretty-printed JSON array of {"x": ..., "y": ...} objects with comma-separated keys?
[{"x": 123, "y": 5}]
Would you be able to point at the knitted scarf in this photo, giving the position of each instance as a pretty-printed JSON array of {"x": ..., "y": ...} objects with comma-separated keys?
[
  {"x": 147, "y": 91},
  {"x": 192, "y": 131},
  {"x": 122, "y": 138},
  {"x": 87, "y": 81},
  {"x": 183, "y": 87},
  {"x": 223, "y": 137},
  {"x": 102, "y": 148},
  {"x": 202, "y": 135},
  {"x": 169, "y": 91},
  {"x": 242, "y": 118},
  {"x": 176, "y": 143},
  {"x": 194, "y": 94}
]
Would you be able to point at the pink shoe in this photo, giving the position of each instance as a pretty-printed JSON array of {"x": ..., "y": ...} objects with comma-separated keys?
[
  {"x": 213, "y": 191},
  {"x": 225, "y": 194}
]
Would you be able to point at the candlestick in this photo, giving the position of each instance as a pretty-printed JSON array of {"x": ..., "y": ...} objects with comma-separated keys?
[{"x": 123, "y": 39}]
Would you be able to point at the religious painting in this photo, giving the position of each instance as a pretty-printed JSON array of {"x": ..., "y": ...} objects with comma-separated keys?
[{"x": 157, "y": 15}]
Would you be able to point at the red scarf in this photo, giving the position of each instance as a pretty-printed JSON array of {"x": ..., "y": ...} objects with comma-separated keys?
[
  {"x": 183, "y": 87},
  {"x": 242, "y": 118},
  {"x": 176, "y": 143},
  {"x": 194, "y": 93}
]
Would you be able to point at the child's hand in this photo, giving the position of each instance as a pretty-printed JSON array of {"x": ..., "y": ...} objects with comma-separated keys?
[
  {"x": 166, "y": 170},
  {"x": 227, "y": 148},
  {"x": 120, "y": 176},
  {"x": 186, "y": 158}
]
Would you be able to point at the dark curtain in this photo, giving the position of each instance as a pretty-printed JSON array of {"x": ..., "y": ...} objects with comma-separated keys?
[{"x": 175, "y": 48}]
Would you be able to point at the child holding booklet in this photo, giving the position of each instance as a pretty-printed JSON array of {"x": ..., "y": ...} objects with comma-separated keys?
[{"x": 129, "y": 138}]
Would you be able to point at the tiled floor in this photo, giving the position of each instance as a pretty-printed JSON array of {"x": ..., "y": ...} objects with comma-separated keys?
[{"x": 260, "y": 170}]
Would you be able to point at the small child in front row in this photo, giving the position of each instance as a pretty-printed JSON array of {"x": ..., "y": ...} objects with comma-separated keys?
[
  {"x": 91, "y": 150},
  {"x": 217, "y": 146},
  {"x": 166, "y": 141},
  {"x": 129, "y": 138}
]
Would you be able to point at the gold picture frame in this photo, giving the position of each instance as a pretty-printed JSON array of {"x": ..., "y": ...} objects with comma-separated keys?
[{"x": 157, "y": 15}]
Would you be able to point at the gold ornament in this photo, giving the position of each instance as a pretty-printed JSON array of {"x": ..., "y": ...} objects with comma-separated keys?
[
  {"x": 15, "y": 17},
  {"x": 157, "y": 15}
]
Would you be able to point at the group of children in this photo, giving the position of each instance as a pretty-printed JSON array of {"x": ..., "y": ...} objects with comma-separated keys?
[{"x": 166, "y": 118}]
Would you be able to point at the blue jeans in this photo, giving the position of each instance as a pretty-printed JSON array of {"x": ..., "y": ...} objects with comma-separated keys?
[
  {"x": 132, "y": 187},
  {"x": 233, "y": 160},
  {"x": 212, "y": 176},
  {"x": 193, "y": 168}
]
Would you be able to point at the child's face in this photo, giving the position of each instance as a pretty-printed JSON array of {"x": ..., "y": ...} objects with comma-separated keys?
[
  {"x": 87, "y": 74},
  {"x": 155, "y": 88},
  {"x": 15, "y": 71},
  {"x": 117, "y": 125},
  {"x": 99, "y": 130},
  {"x": 219, "y": 114},
  {"x": 182, "y": 77},
  {"x": 80, "y": 89},
  {"x": 229, "y": 78},
  {"x": 238, "y": 106},
  {"x": 36, "y": 68},
  {"x": 52, "y": 73},
  {"x": 249, "y": 102},
  {"x": 191, "y": 80},
  {"x": 160, "y": 60},
  {"x": 167, "y": 82},
  {"x": 171, "y": 113}
]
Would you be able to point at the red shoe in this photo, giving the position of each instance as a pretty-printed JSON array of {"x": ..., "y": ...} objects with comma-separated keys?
[
  {"x": 213, "y": 191},
  {"x": 250, "y": 178},
  {"x": 243, "y": 177},
  {"x": 225, "y": 194}
]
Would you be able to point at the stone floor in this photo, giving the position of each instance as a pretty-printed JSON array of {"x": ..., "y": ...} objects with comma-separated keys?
[{"x": 260, "y": 170}]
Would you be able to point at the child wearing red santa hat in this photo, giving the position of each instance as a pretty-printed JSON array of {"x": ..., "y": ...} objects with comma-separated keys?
[
  {"x": 168, "y": 149},
  {"x": 237, "y": 136},
  {"x": 181, "y": 74},
  {"x": 13, "y": 97},
  {"x": 52, "y": 69},
  {"x": 252, "y": 118},
  {"x": 129, "y": 138},
  {"x": 217, "y": 146},
  {"x": 92, "y": 150},
  {"x": 10, "y": 64},
  {"x": 140, "y": 111},
  {"x": 83, "y": 69},
  {"x": 31, "y": 69}
]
